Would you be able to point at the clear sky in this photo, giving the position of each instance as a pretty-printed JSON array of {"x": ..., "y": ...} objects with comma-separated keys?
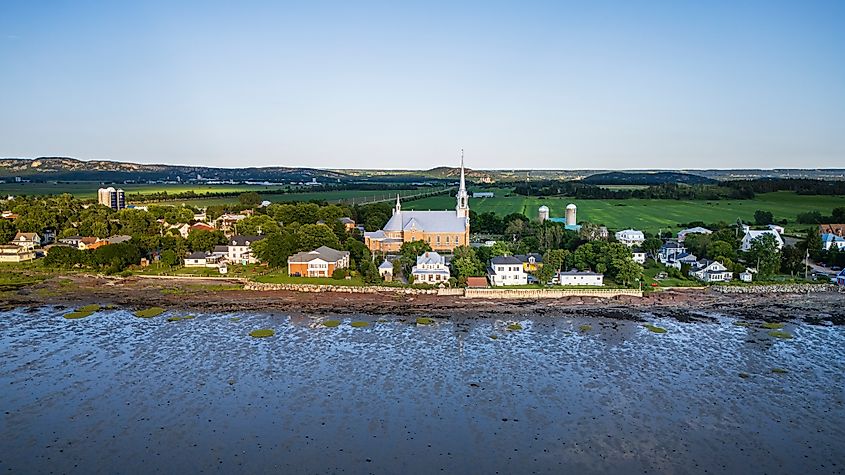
[{"x": 522, "y": 84}]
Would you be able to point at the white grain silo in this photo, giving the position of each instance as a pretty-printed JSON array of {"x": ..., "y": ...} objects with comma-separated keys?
[
  {"x": 543, "y": 213},
  {"x": 570, "y": 214}
]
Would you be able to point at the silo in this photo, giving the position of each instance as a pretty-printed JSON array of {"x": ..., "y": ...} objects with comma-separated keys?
[
  {"x": 543, "y": 213},
  {"x": 570, "y": 214}
]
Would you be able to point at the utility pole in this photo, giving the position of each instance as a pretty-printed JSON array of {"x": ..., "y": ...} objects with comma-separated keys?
[{"x": 806, "y": 259}]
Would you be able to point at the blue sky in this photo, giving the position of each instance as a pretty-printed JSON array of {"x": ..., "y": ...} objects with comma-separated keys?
[{"x": 629, "y": 84}]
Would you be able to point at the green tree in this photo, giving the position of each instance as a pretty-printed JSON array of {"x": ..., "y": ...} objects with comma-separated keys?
[
  {"x": 258, "y": 224},
  {"x": 555, "y": 259},
  {"x": 276, "y": 248},
  {"x": 312, "y": 236},
  {"x": 64, "y": 256},
  {"x": 717, "y": 249},
  {"x": 251, "y": 199},
  {"x": 652, "y": 245},
  {"x": 792, "y": 260},
  {"x": 763, "y": 217},
  {"x": 765, "y": 255},
  {"x": 168, "y": 258},
  {"x": 465, "y": 263},
  {"x": 202, "y": 240},
  {"x": 626, "y": 270},
  {"x": 7, "y": 231}
]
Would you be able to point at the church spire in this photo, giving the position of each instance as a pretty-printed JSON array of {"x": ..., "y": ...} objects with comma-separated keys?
[
  {"x": 398, "y": 206},
  {"x": 463, "y": 199}
]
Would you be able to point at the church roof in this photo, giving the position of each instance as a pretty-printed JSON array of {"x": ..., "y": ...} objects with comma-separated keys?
[{"x": 431, "y": 221}]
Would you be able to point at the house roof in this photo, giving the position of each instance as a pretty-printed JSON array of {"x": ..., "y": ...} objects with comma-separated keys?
[
  {"x": 347, "y": 220},
  {"x": 202, "y": 226},
  {"x": 505, "y": 260},
  {"x": 431, "y": 221},
  {"x": 578, "y": 272},
  {"x": 832, "y": 228},
  {"x": 752, "y": 234},
  {"x": 244, "y": 240},
  {"x": 386, "y": 265},
  {"x": 477, "y": 282},
  {"x": 538, "y": 258},
  {"x": 672, "y": 245},
  {"x": 630, "y": 232},
  {"x": 323, "y": 252},
  {"x": 118, "y": 238},
  {"x": 830, "y": 237},
  {"x": 695, "y": 230},
  {"x": 27, "y": 236},
  {"x": 197, "y": 255},
  {"x": 430, "y": 257},
  {"x": 223, "y": 249}
]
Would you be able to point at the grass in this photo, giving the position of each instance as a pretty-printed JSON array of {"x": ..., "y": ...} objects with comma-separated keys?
[
  {"x": 282, "y": 277},
  {"x": 331, "y": 323},
  {"x": 83, "y": 312},
  {"x": 779, "y": 371},
  {"x": 742, "y": 324},
  {"x": 184, "y": 317},
  {"x": 494, "y": 337},
  {"x": 780, "y": 334},
  {"x": 772, "y": 326},
  {"x": 584, "y": 328},
  {"x": 359, "y": 324},
  {"x": 646, "y": 215},
  {"x": 514, "y": 327},
  {"x": 424, "y": 321},
  {"x": 149, "y": 312},
  {"x": 263, "y": 333},
  {"x": 654, "y": 328}
]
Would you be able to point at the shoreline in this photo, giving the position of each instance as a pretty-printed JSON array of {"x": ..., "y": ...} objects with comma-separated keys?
[{"x": 216, "y": 295}]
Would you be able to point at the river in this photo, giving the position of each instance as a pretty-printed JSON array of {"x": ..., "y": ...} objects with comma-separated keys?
[{"x": 116, "y": 393}]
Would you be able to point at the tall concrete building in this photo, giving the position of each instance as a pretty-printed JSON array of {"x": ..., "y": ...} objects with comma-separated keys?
[{"x": 114, "y": 199}]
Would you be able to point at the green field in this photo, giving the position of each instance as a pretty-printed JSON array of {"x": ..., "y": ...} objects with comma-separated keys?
[
  {"x": 89, "y": 190},
  {"x": 646, "y": 215}
]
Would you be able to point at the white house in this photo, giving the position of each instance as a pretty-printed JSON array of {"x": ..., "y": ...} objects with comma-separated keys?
[
  {"x": 711, "y": 271},
  {"x": 506, "y": 270},
  {"x": 483, "y": 194},
  {"x": 840, "y": 277},
  {"x": 696, "y": 230},
  {"x": 431, "y": 268},
  {"x": 202, "y": 259},
  {"x": 776, "y": 228},
  {"x": 638, "y": 256},
  {"x": 240, "y": 249},
  {"x": 681, "y": 259},
  {"x": 576, "y": 277},
  {"x": 670, "y": 251},
  {"x": 751, "y": 235},
  {"x": 747, "y": 275},
  {"x": 385, "y": 270},
  {"x": 27, "y": 240},
  {"x": 630, "y": 237},
  {"x": 830, "y": 240}
]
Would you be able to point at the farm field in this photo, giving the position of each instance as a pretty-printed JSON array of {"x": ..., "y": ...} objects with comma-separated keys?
[
  {"x": 89, "y": 190},
  {"x": 646, "y": 215}
]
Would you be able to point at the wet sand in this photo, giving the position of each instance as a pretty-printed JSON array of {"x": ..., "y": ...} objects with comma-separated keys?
[{"x": 115, "y": 393}]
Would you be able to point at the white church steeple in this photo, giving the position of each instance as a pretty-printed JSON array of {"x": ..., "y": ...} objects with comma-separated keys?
[
  {"x": 398, "y": 207},
  {"x": 463, "y": 199}
]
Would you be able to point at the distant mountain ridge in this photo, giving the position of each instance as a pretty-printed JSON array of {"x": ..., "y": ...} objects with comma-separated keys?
[
  {"x": 646, "y": 178},
  {"x": 64, "y": 168}
]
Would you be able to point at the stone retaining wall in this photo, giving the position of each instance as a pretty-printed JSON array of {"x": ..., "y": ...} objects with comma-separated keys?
[
  {"x": 349, "y": 289},
  {"x": 775, "y": 288},
  {"x": 548, "y": 293}
]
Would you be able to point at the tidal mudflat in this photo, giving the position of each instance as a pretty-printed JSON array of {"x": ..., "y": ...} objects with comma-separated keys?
[{"x": 115, "y": 393}]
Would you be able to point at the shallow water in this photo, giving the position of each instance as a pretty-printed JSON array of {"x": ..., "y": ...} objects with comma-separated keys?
[{"x": 114, "y": 393}]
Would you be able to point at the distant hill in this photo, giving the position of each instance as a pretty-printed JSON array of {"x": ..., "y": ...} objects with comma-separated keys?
[
  {"x": 71, "y": 169},
  {"x": 646, "y": 178}
]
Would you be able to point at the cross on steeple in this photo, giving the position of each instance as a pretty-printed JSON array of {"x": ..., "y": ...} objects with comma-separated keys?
[{"x": 462, "y": 207}]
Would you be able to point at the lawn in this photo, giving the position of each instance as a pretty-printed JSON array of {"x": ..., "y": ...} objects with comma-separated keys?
[
  {"x": 282, "y": 277},
  {"x": 646, "y": 215}
]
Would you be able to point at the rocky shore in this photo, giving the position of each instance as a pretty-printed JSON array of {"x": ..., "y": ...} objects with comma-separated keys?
[{"x": 216, "y": 295}]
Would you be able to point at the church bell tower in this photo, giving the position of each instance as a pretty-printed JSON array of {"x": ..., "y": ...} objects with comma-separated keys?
[{"x": 463, "y": 199}]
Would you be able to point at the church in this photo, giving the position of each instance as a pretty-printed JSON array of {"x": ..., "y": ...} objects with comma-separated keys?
[{"x": 442, "y": 230}]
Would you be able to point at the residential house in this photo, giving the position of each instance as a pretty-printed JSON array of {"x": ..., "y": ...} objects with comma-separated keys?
[
  {"x": 240, "y": 249},
  {"x": 630, "y": 237},
  {"x": 530, "y": 262},
  {"x": 603, "y": 233},
  {"x": 669, "y": 252},
  {"x": 228, "y": 222},
  {"x": 837, "y": 229},
  {"x": 118, "y": 238},
  {"x": 431, "y": 268},
  {"x": 15, "y": 253},
  {"x": 751, "y": 235},
  {"x": 776, "y": 228},
  {"x": 681, "y": 259},
  {"x": 483, "y": 194},
  {"x": 840, "y": 277},
  {"x": 576, "y": 277},
  {"x": 200, "y": 217},
  {"x": 71, "y": 241},
  {"x": 830, "y": 240},
  {"x": 202, "y": 259},
  {"x": 638, "y": 256},
  {"x": 348, "y": 223},
  {"x": 220, "y": 251},
  {"x": 320, "y": 262},
  {"x": 201, "y": 227},
  {"x": 696, "y": 230},
  {"x": 27, "y": 240},
  {"x": 747, "y": 275},
  {"x": 48, "y": 237},
  {"x": 506, "y": 270},
  {"x": 385, "y": 270},
  {"x": 711, "y": 271},
  {"x": 181, "y": 228}
]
